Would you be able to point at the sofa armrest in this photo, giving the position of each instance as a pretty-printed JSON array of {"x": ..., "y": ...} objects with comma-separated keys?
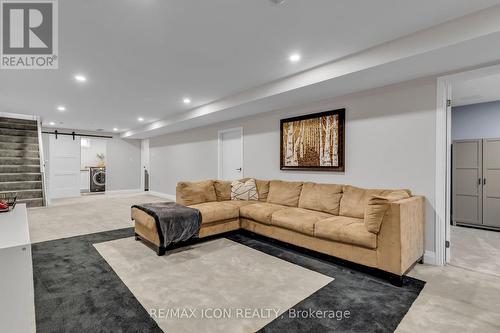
[{"x": 400, "y": 241}]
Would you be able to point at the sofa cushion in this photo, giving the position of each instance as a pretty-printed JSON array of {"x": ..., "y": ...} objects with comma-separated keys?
[
  {"x": 376, "y": 208},
  {"x": 345, "y": 230},
  {"x": 216, "y": 211},
  {"x": 262, "y": 189},
  {"x": 222, "y": 190},
  {"x": 321, "y": 197},
  {"x": 246, "y": 190},
  {"x": 298, "y": 219},
  {"x": 284, "y": 193},
  {"x": 260, "y": 211},
  {"x": 192, "y": 193}
]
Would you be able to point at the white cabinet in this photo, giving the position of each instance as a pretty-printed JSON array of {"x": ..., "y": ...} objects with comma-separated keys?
[
  {"x": 17, "y": 297},
  {"x": 476, "y": 182}
]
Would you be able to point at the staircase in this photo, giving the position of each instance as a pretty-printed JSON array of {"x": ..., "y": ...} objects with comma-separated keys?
[{"x": 20, "y": 161}]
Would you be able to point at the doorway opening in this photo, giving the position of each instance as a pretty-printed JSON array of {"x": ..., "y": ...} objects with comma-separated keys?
[
  {"x": 93, "y": 165},
  {"x": 472, "y": 205}
]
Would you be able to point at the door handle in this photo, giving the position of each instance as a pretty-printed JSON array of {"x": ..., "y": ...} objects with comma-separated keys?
[
  {"x": 484, "y": 181},
  {"x": 239, "y": 169},
  {"x": 479, "y": 181}
]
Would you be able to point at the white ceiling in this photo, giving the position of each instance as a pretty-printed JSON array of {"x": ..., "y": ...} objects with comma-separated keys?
[
  {"x": 479, "y": 90},
  {"x": 142, "y": 57}
]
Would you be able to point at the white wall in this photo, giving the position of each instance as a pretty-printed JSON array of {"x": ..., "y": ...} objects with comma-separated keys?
[
  {"x": 390, "y": 143},
  {"x": 476, "y": 121},
  {"x": 89, "y": 154},
  {"x": 123, "y": 164},
  {"x": 144, "y": 160}
]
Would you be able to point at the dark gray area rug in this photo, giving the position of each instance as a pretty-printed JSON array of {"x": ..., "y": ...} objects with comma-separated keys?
[
  {"x": 77, "y": 291},
  {"x": 373, "y": 304}
]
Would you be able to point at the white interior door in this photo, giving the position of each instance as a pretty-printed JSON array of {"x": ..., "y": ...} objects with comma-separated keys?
[
  {"x": 64, "y": 166},
  {"x": 231, "y": 154}
]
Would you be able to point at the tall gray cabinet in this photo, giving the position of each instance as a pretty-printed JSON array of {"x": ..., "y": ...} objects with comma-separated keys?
[{"x": 476, "y": 182}]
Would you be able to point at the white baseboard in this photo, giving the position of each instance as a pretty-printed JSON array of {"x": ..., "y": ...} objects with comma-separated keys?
[
  {"x": 430, "y": 258},
  {"x": 163, "y": 195},
  {"x": 130, "y": 191}
]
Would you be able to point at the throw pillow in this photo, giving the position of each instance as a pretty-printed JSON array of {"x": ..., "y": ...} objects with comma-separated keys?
[
  {"x": 244, "y": 190},
  {"x": 222, "y": 190},
  {"x": 376, "y": 208}
]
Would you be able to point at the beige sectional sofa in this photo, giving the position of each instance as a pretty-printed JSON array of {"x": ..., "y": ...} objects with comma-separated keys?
[{"x": 382, "y": 229}]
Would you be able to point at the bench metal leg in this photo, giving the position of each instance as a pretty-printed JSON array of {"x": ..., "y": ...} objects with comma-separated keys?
[{"x": 161, "y": 251}]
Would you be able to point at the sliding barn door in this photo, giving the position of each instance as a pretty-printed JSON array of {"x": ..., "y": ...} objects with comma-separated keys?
[
  {"x": 467, "y": 181},
  {"x": 491, "y": 182},
  {"x": 64, "y": 167}
]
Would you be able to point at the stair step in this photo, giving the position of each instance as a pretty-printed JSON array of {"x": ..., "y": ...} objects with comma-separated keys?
[
  {"x": 19, "y": 177},
  {"x": 19, "y": 168},
  {"x": 30, "y": 203},
  {"x": 19, "y": 146},
  {"x": 21, "y": 185},
  {"x": 25, "y": 194},
  {"x": 17, "y": 126},
  {"x": 19, "y": 161},
  {"x": 18, "y": 153},
  {"x": 16, "y": 132},
  {"x": 17, "y": 121},
  {"x": 18, "y": 139}
]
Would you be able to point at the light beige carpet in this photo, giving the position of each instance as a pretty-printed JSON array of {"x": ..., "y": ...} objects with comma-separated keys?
[
  {"x": 215, "y": 286},
  {"x": 476, "y": 249},
  {"x": 84, "y": 215},
  {"x": 453, "y": 300}
]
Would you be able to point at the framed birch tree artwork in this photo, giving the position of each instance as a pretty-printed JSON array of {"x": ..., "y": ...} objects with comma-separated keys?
[{"x": 313, "y": 142}]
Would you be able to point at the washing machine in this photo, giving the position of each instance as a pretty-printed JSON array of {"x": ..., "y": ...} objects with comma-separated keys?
[{"x": 97, "y": 179}]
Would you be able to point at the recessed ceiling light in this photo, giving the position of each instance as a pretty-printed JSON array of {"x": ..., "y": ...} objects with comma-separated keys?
[
  {"x": 52, "y": 123},
  {"x": 115, "y": 129},
  {"x": 295, "y": 57},
  {"x": 80, "y": 78},
  {"x": 140, "y": 119},
  {"x": 186, "y": 100},
  {"x": 61, "y": 108}
]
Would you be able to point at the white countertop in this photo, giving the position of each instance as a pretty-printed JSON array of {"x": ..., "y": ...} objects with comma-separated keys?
[{"x": 14, "y": 229}]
